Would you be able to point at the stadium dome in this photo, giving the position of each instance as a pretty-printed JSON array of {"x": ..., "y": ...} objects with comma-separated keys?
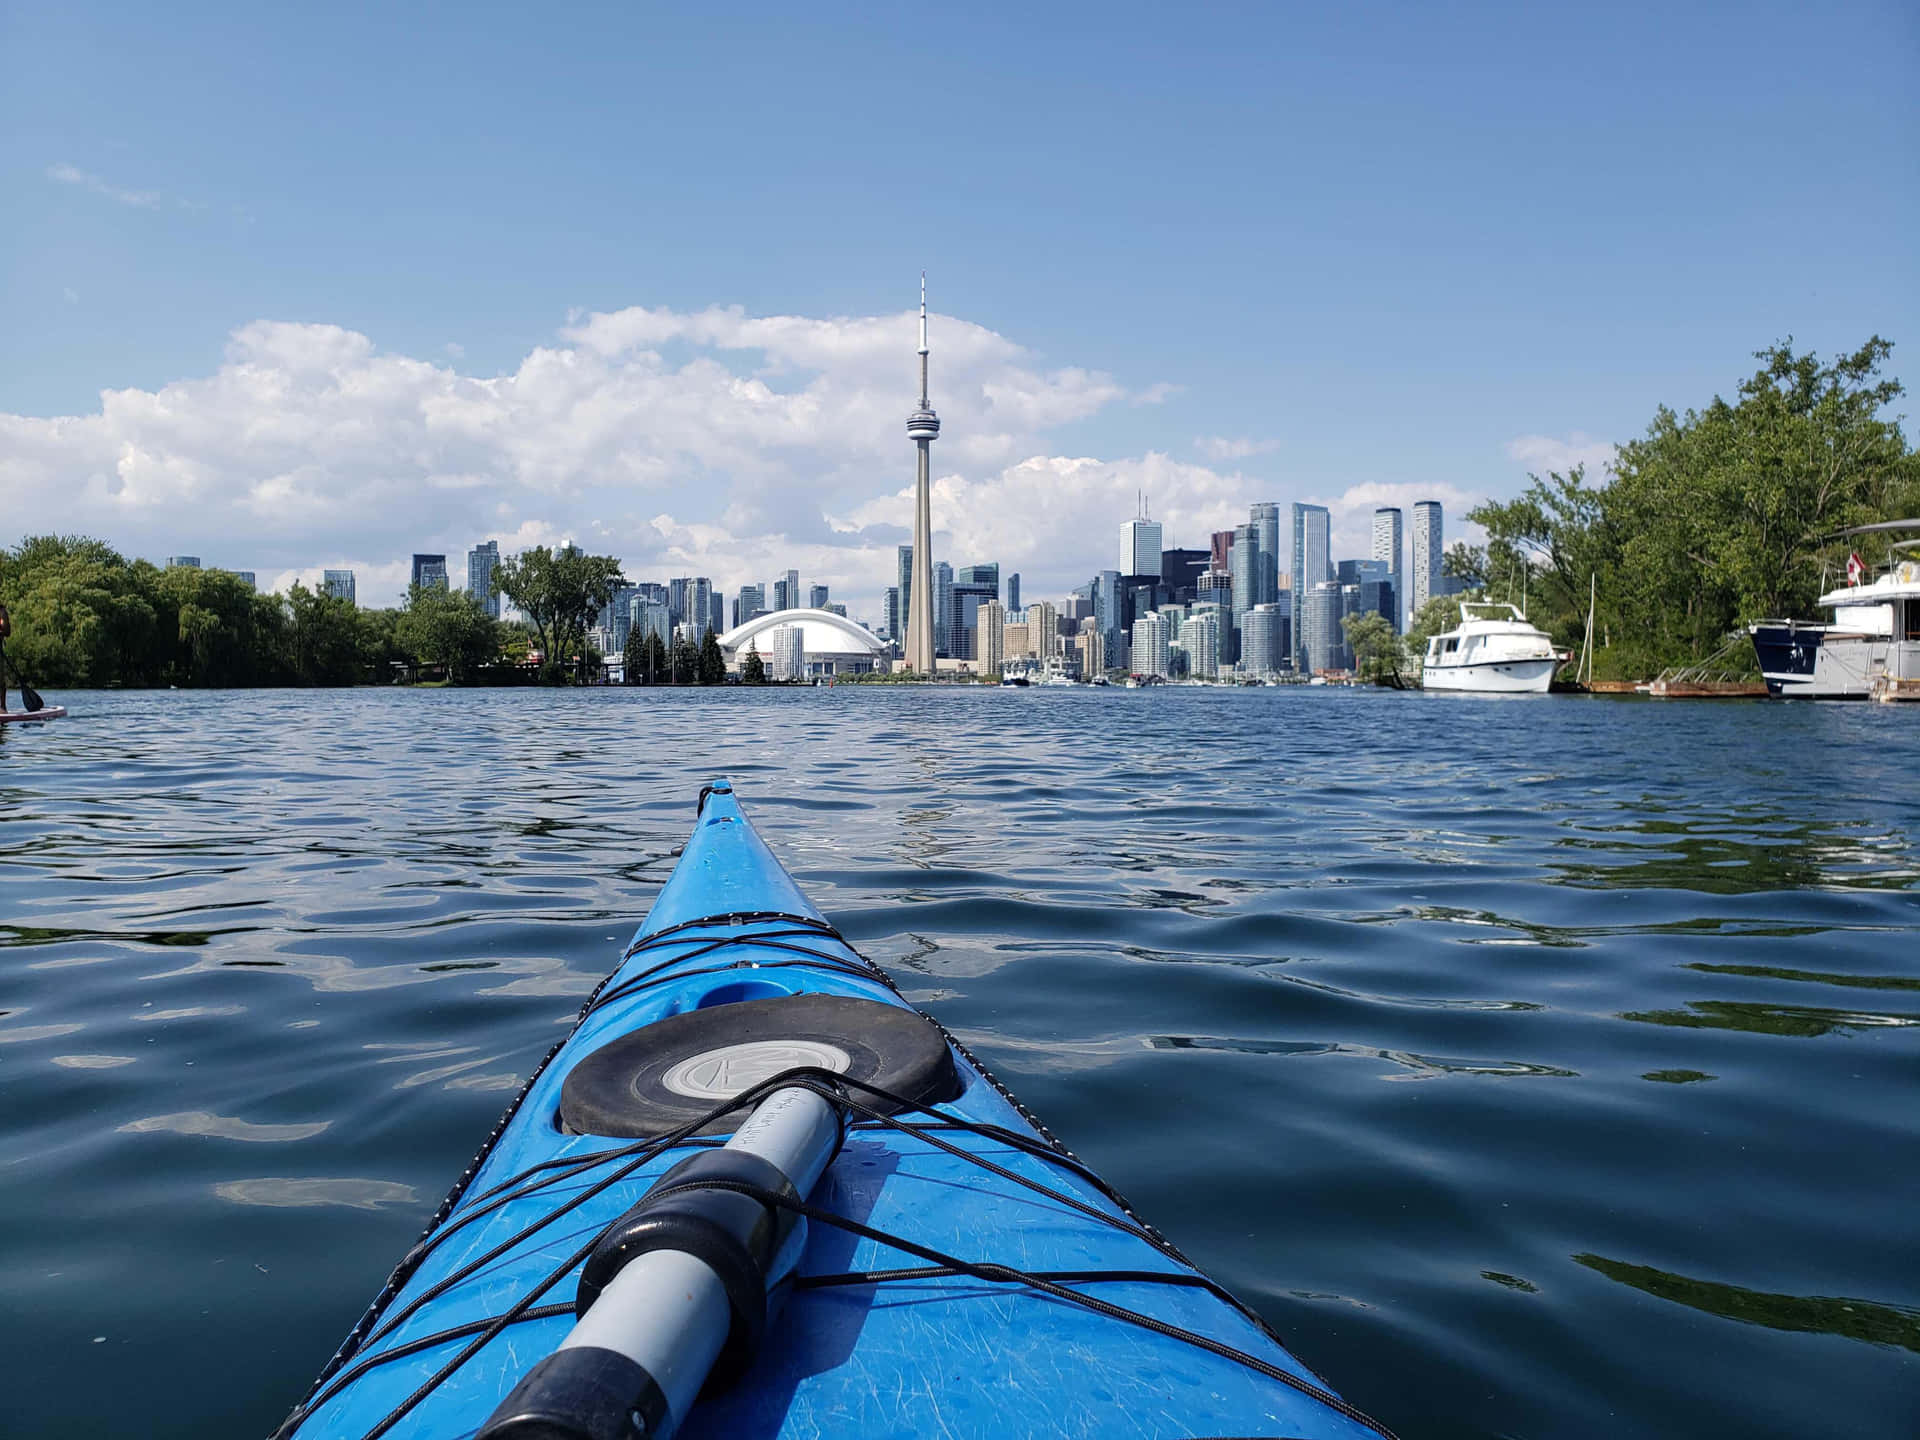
[{"x": 830, "y": 644}]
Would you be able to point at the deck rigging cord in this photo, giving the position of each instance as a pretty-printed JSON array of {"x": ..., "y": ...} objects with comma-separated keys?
[
  {"x": 941, "y": 1265},
  {"x": 350, "y": 1363}
]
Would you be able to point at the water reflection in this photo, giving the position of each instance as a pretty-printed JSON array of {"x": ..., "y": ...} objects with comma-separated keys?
[
  {"x": 1801, "y": 1021},
  {"x": 1817, "y": 1314},
  {"x": 1704, "y": 855}
]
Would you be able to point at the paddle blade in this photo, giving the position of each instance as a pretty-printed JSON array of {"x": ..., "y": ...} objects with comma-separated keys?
[{"x": 31, "y": 697}]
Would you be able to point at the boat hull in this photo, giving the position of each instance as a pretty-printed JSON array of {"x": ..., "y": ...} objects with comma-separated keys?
[
  {"x": 941, "y": 1354},
  {"x": 1493, "y": 677},
  {"x": 32, "y": 717}
]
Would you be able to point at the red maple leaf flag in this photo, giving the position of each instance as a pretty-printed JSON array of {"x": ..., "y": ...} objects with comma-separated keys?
[{"x": 1856, "y": 572}]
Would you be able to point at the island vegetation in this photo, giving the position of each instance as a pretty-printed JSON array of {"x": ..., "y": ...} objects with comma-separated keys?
[{"x": 1713, "y": 518}]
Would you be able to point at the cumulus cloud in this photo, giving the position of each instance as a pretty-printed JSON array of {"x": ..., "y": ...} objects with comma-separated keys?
[
  {"x": 1222, "y": 447},
  {"x": 66, "y": 174},
  {"x": 709, "y": 442},
  {"x": 1541, "y": 453}
]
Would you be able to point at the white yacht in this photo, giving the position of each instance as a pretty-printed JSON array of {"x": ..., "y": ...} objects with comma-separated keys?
[
  {"x": 1490, "y": 653},
  {"x": 1870, "y": 649}
]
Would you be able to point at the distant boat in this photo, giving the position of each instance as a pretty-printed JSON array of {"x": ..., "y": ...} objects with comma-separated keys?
[
  {"x": 1014, "y": 682},
  {"x": 1491, "y": 654}
]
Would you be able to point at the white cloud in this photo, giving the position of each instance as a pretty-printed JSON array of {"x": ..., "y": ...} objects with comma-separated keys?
[
  {"x": 1221, "y": 447},
  {"x": 1157, "y": 393},
  {"x": 711, "y": 442},
  {"x": 67, "y": 174},
  {"x": 1541, "y": 453}
]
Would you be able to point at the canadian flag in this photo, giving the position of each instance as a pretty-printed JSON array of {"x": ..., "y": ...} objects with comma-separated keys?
[{"x": 1856, "y": 572}]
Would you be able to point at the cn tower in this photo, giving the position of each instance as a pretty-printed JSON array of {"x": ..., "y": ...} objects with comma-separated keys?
[{"x": 923, "y": 427}]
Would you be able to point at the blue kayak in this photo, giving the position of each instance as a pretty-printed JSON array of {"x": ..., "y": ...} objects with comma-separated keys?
[{"x": 755, "y": 1192}]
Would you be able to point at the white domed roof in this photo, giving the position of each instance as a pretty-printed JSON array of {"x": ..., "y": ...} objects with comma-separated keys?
[{"x": 822, "y": 633}]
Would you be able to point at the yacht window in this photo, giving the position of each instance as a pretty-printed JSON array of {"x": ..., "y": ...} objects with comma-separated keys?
[
  {"x": 1913, "y": 620},
  {"x": 1452, "y": 645}
]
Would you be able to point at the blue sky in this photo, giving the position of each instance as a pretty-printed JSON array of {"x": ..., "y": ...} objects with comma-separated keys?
[{"x": 1221, "y": 253}]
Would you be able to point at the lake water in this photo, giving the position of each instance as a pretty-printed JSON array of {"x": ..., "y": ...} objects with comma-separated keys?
[{"x": 1539, "y": 1067}]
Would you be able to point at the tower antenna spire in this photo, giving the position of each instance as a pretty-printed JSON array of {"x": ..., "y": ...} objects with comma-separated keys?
[{"x": 923, "y": 427}]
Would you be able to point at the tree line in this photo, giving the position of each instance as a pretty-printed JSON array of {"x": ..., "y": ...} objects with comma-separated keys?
[
  {"x": 1711, "y": 520},
  {"x": 85, "y": 616}
]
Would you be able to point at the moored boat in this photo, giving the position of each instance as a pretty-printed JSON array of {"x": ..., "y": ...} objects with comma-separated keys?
[
  {"x": 1869, "y": 649},
  {"x": 755, "y": 1192},
  {"x": 1490, "y": 653}
]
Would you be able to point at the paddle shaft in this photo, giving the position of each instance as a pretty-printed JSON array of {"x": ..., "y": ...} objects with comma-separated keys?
[
  {"x": 634, "y": 1363},
  {"x": 27, "y": 693}
]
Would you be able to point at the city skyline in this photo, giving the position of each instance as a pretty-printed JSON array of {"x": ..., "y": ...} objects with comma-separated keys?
[{"x": 290, "y": 367}]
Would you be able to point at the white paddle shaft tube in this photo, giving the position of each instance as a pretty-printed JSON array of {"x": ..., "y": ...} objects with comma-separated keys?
[{"x": 682, "y": 1282}]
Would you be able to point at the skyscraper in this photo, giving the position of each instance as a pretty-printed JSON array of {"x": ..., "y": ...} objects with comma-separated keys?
[
  {"x": 1245, "y": 565},
  {"x": 1260, "y": 632},
  {"x": 1387, "y": 547},
  {"x": 990, "y": 646},
  {"x": 680, "y": 599},
  {"x": 717, "y": 612},
  {"x": 1310, "y": 567},
  {"x": 1427, "y": 549},
  {"x": 1180, "y": 572},
  {"x": 1013, "y": 591},
  {"x": 480, "y": 562},
  {"x": 1265, "y": 517},
  {"x": 1218, "y": 549},
  {"x": 1140, "y": 544},
  {"x": 816, "y": 597},
  {"x": 891, "y": 613},
  {"x": 923, "y": 427},
  {"x": 1320, "y": 633},
  {"x": 1151, "y": 634},
  {"x": 943, "y": 609},
  {"x": 338, "y": 584},
  {"x": 1106, "y": 612},
  {"x": 190, "y": 562},
  {"x": 430, "y": 570}
]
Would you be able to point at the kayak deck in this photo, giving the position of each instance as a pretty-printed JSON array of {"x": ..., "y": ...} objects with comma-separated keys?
[
  {"x": 32, "y": 717},
  {"x": 859, "y": 1348}
]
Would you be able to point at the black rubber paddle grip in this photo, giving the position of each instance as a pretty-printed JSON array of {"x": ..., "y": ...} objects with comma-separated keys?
[
  {"x": 735, "y": 1236},
  {"x": 582, "y": 1393}
]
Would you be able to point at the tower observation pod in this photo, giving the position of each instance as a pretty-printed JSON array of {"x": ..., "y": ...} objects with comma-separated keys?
[{"x": 923, "y": 428}]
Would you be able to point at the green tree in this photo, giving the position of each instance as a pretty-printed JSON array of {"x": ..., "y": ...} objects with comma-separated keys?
[
  {"x": 1437, "y": 616},
  {"x": 633, "y": 656},
  {"x": 560, "y": 591},
  {"x": 712, "y": 665},
  {"x": 753, "y": 670},
  {"x": 449, "y": 628},
  {"x": 1377, "y": 652},
  {"x": 685, "y": 661},
  {"x": 323, "y": 638}
]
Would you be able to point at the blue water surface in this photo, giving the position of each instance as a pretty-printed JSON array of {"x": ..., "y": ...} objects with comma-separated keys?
[{"x": 1538, "y": 1066}]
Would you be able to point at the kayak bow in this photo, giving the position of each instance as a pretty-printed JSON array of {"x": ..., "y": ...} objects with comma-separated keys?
[{"x": 756, "y": 1192}]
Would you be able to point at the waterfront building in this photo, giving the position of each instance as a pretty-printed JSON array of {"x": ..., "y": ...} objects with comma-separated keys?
[
  {"x": 787, "y": 650},
  {"x": 1090, "y": 642},
  {"x": 1262, "y": 640},
  {"x": 1265, "y": 518},
  {"x": 923, "y": 427},
  {"x": 1140, "y": 544},
  {"x": 1200, "y": 638},
  {"x": 1310, "y": 567},
  {"x": 1014, "y": 641},
  {"x": 1043, "y": 629},
  {"x": 991, "y": 624},
  {"x": 816, "y": 597},
  {"x": 481, "y": 561},
  {"x": 1427, "y": 548},
  {"x": 942, "y": 608},
  {"x": 818, "y": 643},
  {"x": 1180, "y": 572},
  {"x": 338, "y": 584},
  {"x": 1013, "y": 591},
  {"x": 430, "y": 570},
  {"x": 183, "y": 562},
  {"x": 1106, "y": 611},
  {"x": 975, "y": 586},
  {"x": 1246, "y": 566},
  {"x": 1387, "y": 546},
  {"x": 1151, "y": 635},
  {"x": 1323, "y": 642}
]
